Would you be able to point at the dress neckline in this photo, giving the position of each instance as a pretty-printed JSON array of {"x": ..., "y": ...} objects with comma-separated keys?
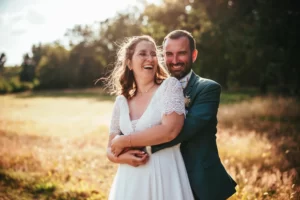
[
  {"x": 145, "y": 111},
  {"x": 150, "y": 102}
]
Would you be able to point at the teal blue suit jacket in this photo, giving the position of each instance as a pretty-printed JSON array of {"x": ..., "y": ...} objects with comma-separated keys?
[{"x": 208, "y": 177}]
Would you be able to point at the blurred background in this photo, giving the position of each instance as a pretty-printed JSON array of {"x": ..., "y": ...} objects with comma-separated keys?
[{"x": 54, "y": 119}]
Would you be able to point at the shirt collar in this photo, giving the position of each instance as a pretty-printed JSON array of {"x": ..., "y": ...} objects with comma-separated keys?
[{"x": 184, "y": 81}]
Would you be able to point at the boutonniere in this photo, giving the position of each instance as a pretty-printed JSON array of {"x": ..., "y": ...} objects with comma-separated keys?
[{"x": 187, "y": 101}]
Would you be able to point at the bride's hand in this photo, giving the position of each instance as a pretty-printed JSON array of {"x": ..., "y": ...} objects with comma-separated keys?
[
  {"x": 117, "y": 145},
  {"x": 134, "y": 158}
]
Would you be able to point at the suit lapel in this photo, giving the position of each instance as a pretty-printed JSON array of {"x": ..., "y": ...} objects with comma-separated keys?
[{"x": 187, "y": 91}]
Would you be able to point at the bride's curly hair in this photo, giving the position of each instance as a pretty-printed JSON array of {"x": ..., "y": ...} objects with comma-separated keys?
[{"x": 121, "y": 81}]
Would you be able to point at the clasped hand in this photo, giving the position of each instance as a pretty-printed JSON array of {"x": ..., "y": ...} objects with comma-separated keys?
[
  {"x": 128, "y": 155},
  {"x": 117, "y": 145}
]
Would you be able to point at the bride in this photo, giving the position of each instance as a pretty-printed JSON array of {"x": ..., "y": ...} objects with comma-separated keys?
[{"x": 150, "y": 101}]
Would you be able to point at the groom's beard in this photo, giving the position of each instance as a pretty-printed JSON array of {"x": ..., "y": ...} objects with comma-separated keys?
[{"x": 180, "y": 69}]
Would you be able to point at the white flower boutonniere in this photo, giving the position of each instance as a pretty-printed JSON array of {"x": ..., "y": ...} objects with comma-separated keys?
[{"x": 187, "y": 101}]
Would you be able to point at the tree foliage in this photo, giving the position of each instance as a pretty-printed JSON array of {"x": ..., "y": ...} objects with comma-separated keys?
[{"x": 241, "y": 43}]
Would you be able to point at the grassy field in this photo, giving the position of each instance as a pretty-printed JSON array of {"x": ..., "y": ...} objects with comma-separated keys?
[{"x": 52, "y": 145}]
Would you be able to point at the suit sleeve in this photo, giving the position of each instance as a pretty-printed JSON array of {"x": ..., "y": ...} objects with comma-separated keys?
[{"x": 203, "y": 110}]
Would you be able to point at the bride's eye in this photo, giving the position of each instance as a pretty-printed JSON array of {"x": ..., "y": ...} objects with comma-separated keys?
[{"x": 153, "y": 54}]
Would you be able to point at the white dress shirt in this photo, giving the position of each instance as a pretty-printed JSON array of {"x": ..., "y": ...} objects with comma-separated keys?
[{"x": 184, "y": 81}]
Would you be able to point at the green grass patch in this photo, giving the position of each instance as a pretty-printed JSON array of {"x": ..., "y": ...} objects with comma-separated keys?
[
  {"x": 227, "y": 97},
  {"x": 44, "y": 187},
  {"x": 20, "y": 185},
  {"x": 231, "y": 97}
]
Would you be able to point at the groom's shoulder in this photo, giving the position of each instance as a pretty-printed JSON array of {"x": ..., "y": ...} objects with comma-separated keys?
[{"x": 205, "y": 82}]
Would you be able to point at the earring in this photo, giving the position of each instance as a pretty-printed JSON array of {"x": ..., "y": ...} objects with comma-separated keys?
[{"x": 128, "y": 68}]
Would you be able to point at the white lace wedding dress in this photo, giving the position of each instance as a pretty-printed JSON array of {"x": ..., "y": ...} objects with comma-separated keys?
[{"x": 164, "y": 177}]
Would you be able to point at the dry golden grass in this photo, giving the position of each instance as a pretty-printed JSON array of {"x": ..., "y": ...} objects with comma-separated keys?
[
  {"x": 52, "y": 146},
  {"x": 59, "y": 141},
  {"x": 259, "y": 145}
]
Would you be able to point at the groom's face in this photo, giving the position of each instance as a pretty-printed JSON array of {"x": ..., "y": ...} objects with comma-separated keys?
[{"x": 178, "y": 56}]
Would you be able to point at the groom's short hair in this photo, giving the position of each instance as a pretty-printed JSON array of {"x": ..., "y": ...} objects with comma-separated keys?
[{"x": 182, "y": 33}]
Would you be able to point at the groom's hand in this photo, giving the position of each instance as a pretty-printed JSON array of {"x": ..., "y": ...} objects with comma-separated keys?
[{"x": 134, "y": 158}]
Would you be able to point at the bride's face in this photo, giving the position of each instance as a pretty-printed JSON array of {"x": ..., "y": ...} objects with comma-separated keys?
[{"x": 144, "y": 61}]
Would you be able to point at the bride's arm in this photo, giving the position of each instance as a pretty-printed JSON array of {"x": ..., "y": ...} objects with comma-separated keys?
[
  {"x": 109, "y": 154},
  {"x": 114, "y": 129},
  {"x": 130, "y": 157}
]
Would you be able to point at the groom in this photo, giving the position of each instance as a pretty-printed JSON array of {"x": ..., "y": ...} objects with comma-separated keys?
[{"x": 208, "y": 178}]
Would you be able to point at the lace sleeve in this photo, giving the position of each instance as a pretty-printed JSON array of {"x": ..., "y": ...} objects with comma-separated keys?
[
  {"x": 173, "y": 99},
  {"x": 115, "y": 119}
]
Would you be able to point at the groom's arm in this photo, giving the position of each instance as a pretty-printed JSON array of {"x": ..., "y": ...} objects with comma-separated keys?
[{"x": 203, "y": 110}]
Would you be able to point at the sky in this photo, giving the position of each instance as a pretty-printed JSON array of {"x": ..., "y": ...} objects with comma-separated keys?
[{"x": 27, "y": 22}]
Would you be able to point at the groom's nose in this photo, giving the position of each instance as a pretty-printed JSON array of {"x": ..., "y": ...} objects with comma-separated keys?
[{"x": 175, "y": 59}]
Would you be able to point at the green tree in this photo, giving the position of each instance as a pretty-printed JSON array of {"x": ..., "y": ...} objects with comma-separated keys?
[
  {"x": 52, "y": 70},
  {"x": 28, "y": 69},
  {"x": 2, "y": 62}
]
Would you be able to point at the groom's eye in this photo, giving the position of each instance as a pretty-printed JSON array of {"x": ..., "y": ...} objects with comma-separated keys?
[{"x": 168, "y": 54}]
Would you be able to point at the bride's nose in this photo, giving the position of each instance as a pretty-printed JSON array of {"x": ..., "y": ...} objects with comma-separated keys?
[{"x": 149, "y": 57}]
